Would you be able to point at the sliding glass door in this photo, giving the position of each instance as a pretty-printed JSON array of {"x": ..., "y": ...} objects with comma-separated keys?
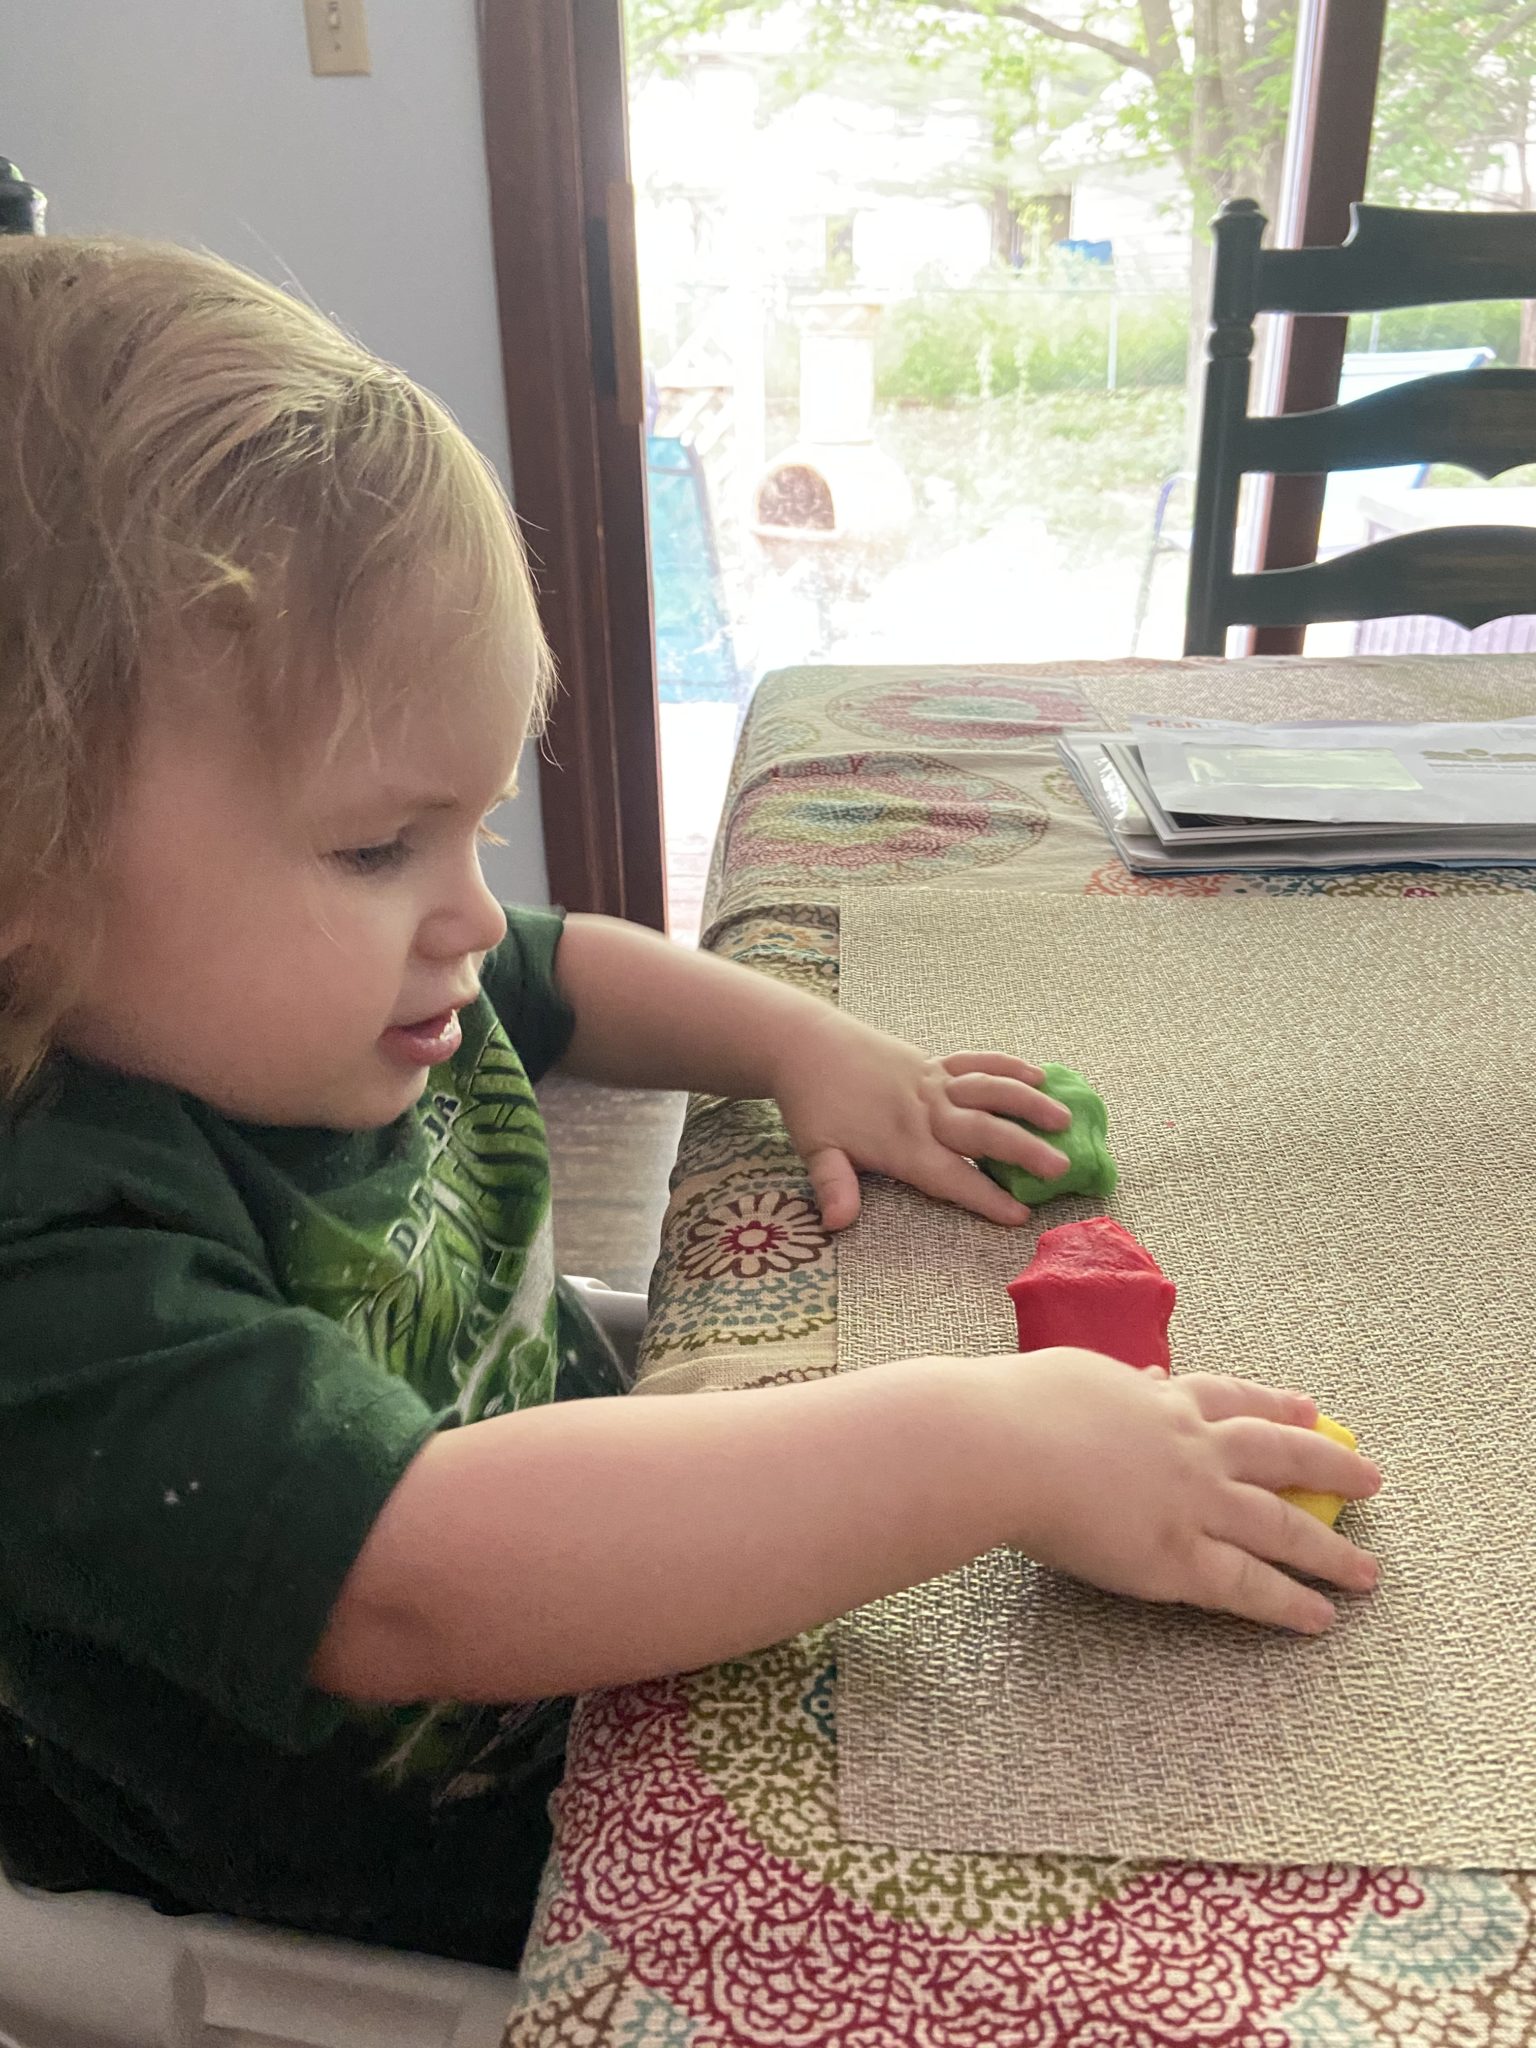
[
  {"x": 918, "y": 287},
  {"x": 1455, "y": 129},
  {"x": 906, "y": 366}
]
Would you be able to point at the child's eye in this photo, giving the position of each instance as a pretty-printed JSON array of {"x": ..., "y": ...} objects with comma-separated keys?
[{"x": 373, "y": 860}]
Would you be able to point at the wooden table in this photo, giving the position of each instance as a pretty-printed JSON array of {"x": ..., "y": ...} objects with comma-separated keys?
[{"x": 700, "y": 1894}]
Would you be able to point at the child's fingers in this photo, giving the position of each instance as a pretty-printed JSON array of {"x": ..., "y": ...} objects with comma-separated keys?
[
  {"x": 980, "y": 1136},
  {"x": 1219, "y": 1398},
  {"x": 1266, "y": 1454},
  {"x": 992, "y": 1063},
  {"x": 835, "y": 1185},
  {"x": 1239, "y": 1583},
  {"x": 953, "y": 1179},
  {"x": 1004, "y": 1096},
  {"x": 1282, "y": 1533}
]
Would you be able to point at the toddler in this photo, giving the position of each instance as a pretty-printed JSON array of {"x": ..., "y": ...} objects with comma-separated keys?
[{"x": 308, "y": 1527}]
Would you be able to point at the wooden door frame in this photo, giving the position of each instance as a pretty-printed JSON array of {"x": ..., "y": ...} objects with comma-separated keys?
[
  {"x": 562, "y": 232},
  {"x": 1327, "y": 154}
]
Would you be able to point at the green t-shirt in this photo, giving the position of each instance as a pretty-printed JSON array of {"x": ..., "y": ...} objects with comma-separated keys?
[{"x": 220, "y": 1347}]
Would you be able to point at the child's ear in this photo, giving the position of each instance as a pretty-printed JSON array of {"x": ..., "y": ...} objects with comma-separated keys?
[
  {"x": 52, "y": 916},
  {"x": 41, "y": 926}
]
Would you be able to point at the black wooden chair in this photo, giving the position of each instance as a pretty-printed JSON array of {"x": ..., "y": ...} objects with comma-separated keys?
[
  {"x": 21, "y": 205},
  {"x": 1483, "y": 420}
]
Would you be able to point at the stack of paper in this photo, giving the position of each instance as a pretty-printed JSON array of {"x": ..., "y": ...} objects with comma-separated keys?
[{"x": 1199, "y": 793}]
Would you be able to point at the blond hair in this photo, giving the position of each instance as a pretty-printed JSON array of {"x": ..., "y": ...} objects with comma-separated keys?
[{"x": 190, "y": 457}]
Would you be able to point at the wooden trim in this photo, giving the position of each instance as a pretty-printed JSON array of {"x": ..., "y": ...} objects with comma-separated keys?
[
  {"x": 552, "y": 81},
  {"x": 1339, "y": 45},
  {"x": 624, "y": 292},
  {"x": 603, "y": 119}
]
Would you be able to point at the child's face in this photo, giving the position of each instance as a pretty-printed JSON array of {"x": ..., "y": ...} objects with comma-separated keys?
[{"x": 290, "y": 946}]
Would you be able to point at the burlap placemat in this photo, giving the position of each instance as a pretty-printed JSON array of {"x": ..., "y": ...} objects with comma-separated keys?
[{"x": 1323, "y": 1114}]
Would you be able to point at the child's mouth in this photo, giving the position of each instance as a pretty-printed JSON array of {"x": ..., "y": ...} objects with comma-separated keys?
[{"x": 426, "y": 1044}]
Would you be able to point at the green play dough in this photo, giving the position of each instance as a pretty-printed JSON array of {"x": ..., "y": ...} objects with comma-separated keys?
[{"x": 1085, "y": 1142}]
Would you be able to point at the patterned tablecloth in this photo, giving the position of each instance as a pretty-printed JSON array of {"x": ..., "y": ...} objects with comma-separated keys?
[{"x": 700, "y": 1894}]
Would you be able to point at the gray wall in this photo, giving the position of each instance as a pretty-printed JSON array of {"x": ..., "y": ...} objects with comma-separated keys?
[{"x": 199, "y": 121}]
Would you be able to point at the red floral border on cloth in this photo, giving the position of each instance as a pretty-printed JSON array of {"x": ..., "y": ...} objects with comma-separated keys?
[
  {"x": 675, "y": 1914},
  {"x": 745, "y": 1235},
  {"x": 1114, "y": 879},
  {"x": 989, "y": 711},
  {"x": 758, "y": 1953},
  {"x": 870, "y": 817}
]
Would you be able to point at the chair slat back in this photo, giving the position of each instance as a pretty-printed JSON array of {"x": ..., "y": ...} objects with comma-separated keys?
[
  {"x": 1477, "y": 573},
  {"x": 1402, "y": 256},
  {"x": 1480, "y": 419},
  {"x": 1483, "y": 420}
]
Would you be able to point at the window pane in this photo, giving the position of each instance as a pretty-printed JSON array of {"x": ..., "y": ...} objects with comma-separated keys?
[
  {"x": 918, "y": 286},
  {"x": 1453, "y": 131}
]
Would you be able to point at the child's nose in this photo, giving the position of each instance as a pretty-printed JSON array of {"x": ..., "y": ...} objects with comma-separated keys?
[
  {"x": 490, "y": 922},
  {"x": 472, "y": 921}
]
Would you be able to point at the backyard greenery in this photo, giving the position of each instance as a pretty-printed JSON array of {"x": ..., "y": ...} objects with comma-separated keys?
[
  {"x": 1455, "y": 95},
  {"x": 1092, "y": 459},
  {"x": 1036, "y": 410},
  {"x": 988, "y": 342}
]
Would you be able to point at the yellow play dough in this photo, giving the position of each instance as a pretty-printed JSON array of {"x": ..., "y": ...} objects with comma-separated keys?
[{"x": 1326, "y": 1506}]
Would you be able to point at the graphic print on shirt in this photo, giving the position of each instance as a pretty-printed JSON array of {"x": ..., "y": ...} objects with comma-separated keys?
[{"x": 457, "y": 1294}]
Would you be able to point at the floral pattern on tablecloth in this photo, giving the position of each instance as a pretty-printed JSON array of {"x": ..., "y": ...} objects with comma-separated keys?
[
  {"x": 872, "y": 817},
  {"x": 716, "y": 1286},
  {"x": 926, "y": 710},
  {"x": 699, "y": 1819},
  {"x": 744, "y": 1262},
  {"x": 701, "y": 1894},
  {"x": 1113, "y": 879},
  {"x": 797, "y": 943}
]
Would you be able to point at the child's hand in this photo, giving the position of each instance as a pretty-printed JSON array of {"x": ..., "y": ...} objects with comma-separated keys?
[
  {"x": 1167, "y": 1489},
  {"x": 853, "y": 1098}
]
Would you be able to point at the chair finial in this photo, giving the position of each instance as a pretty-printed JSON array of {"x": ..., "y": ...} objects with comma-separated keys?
[{"x": 21, "y": 205}]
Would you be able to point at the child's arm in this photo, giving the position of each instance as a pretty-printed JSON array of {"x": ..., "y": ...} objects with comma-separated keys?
[
  {"x": 654, "y": 1015},
  {"x": 596, "y": 1542}
]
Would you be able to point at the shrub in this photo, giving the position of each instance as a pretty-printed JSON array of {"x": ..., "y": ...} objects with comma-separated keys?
[
  {"x": 1480, "y": 323},
  {"x": 942, "y": 346}
]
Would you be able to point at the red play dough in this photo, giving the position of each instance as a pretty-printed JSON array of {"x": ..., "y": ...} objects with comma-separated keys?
[{"x": 1091, "y": 1284}]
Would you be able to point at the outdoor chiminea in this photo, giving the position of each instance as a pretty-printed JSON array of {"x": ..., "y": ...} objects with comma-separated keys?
[{"x": 833, "y": 499}]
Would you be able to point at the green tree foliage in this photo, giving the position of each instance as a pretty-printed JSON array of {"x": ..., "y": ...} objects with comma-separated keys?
[
  {"x": 1455, "y": 95},
  {"x": 1214, "y": 76}
]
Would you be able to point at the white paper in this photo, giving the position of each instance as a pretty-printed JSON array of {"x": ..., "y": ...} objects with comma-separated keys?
[
  {"x": 1130, "y": 832},
  {"x": 1423, "y": 775}
]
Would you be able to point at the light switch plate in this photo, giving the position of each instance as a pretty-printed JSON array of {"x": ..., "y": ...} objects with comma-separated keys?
[{"x": 338, "y": 38}]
